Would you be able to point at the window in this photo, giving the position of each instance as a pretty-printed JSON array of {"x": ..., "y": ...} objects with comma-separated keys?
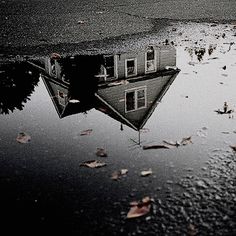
[
  {"x": 130, "y": 67},
  {"x": 135, "y": 99},
  {"x": 150, "y": 60},
  {"x": 109, "y": 66}
]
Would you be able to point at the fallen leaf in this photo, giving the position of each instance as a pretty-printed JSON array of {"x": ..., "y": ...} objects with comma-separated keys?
[
  {"x": 93, "y": 164},
  {"x": 80, "y": 22},
  {"x": 171, "y": 143},
  {"x": 101, "y": 152},
  {"x": 225, "y": 132},
  {"x": 233, "y": 147},
  {"x": 192, "y": 231},
  {"x": 23, "y": 138},
  {"x": 146, "y": 172},
  {"x": 86, "y": 132},
  {"x": 186, "y": 141},
  {"x": 158, "y": 146},
  {"x": 119, "y": 173},
  {"x": 139, "y": 208}
]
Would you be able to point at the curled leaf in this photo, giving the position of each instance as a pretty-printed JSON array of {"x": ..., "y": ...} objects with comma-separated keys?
[
  {"x": 118, "y": 174},
  {"x": 93, "y": 164},
  {"x": 158, "y": 146},
  {"x": 86, "y": 132},
  {"x": 23, "y": 138},
  {"x": 146, "y": 172},
  {"x": 171, "y": 143},
  {"x": 186, "y": 141},
  {"x": 233, "y": 147},
  {"x": 141, "y": 208}
]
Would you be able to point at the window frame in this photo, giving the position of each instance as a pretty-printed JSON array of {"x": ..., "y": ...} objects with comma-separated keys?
[
  {"x": 135, "y": 67},
  {"x": 135, "y": 90},
  {"x": 154, "y": 61}
]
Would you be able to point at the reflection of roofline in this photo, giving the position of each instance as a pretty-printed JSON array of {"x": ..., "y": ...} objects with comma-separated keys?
[
  {"x": 115, "y": 111},
  {"x": 159, "y": 98},
  {"x": 154, "y": 104},
  {"x": 60, "y": 114},
  {"x": 141, "y": 77}
]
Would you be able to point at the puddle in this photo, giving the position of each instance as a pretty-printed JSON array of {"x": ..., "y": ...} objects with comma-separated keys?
[{"x": 119, "y": 102}]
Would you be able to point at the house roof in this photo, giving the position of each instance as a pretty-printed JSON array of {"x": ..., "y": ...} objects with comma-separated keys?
[
  {"x": 103, "y": 104},
  {"x": 106, "y": 107}
]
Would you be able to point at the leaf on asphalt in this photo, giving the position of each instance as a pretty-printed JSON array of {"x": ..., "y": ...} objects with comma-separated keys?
[
  {"x": 171, "y": 143},
  {"x": 81, "y": 22},
  {"x": 140, "y": 208},
  {"x": 86, "y": 132},
  {"x": 93, "y": 164},
  {"x": 118, "y": 174},
  {"x": 233, "y": 147},
  {"x": 101, "y": 152},
  {"x": 158, "y": 146},
  {"x": 192, "y": 231},
  {"x": 186, "y": 141},
  {"x": 23, "y": 138},
  {"x": 146, "y": 172}
]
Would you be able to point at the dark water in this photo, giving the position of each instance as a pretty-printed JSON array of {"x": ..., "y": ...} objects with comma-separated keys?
[{"x": 43, "y": 183}]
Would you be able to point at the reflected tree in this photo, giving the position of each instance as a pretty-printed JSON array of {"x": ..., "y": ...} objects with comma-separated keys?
[{"x": 17, "y": 83}]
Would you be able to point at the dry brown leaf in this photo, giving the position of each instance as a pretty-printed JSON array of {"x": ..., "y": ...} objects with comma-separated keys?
[
  {"x": 186, "y": 141},
  {"x": 233, "y": 147},
  {"x": 118, "y": 173},
  {"x": 192, "y": 231},
  {"x": 101, "y": 152},
  {"x": 93, "y": 164},
  {"x": 23, "y": 138},
  {"x": 86, "y": 132},
  {"x": 158, "y": 146},
  {"x": 146, "y": 172},
  {"x": 138, "y": 209},
  {"x": 171, "y": 143}
]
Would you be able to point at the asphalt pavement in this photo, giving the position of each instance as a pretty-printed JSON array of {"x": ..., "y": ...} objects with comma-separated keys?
[{"x": 26, "y": 24}]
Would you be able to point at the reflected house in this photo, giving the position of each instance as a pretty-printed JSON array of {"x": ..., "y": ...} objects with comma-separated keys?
[{"x": 126, "y": 86}]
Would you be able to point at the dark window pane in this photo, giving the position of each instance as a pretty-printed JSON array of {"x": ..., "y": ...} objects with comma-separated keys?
[
  {"x": 140, "y": 98},
  {"x": 109, "y": 61},
  {"x": 150, "y": 54},
  {"x": 130, "y": 67},
  {"x": 110, "y": 72},
  {"x": 141, "y": 103},
  {"x": 130, "y": 101}
]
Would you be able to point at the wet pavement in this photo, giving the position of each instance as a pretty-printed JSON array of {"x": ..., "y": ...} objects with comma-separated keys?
[{"x": 87, "y": 128}]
